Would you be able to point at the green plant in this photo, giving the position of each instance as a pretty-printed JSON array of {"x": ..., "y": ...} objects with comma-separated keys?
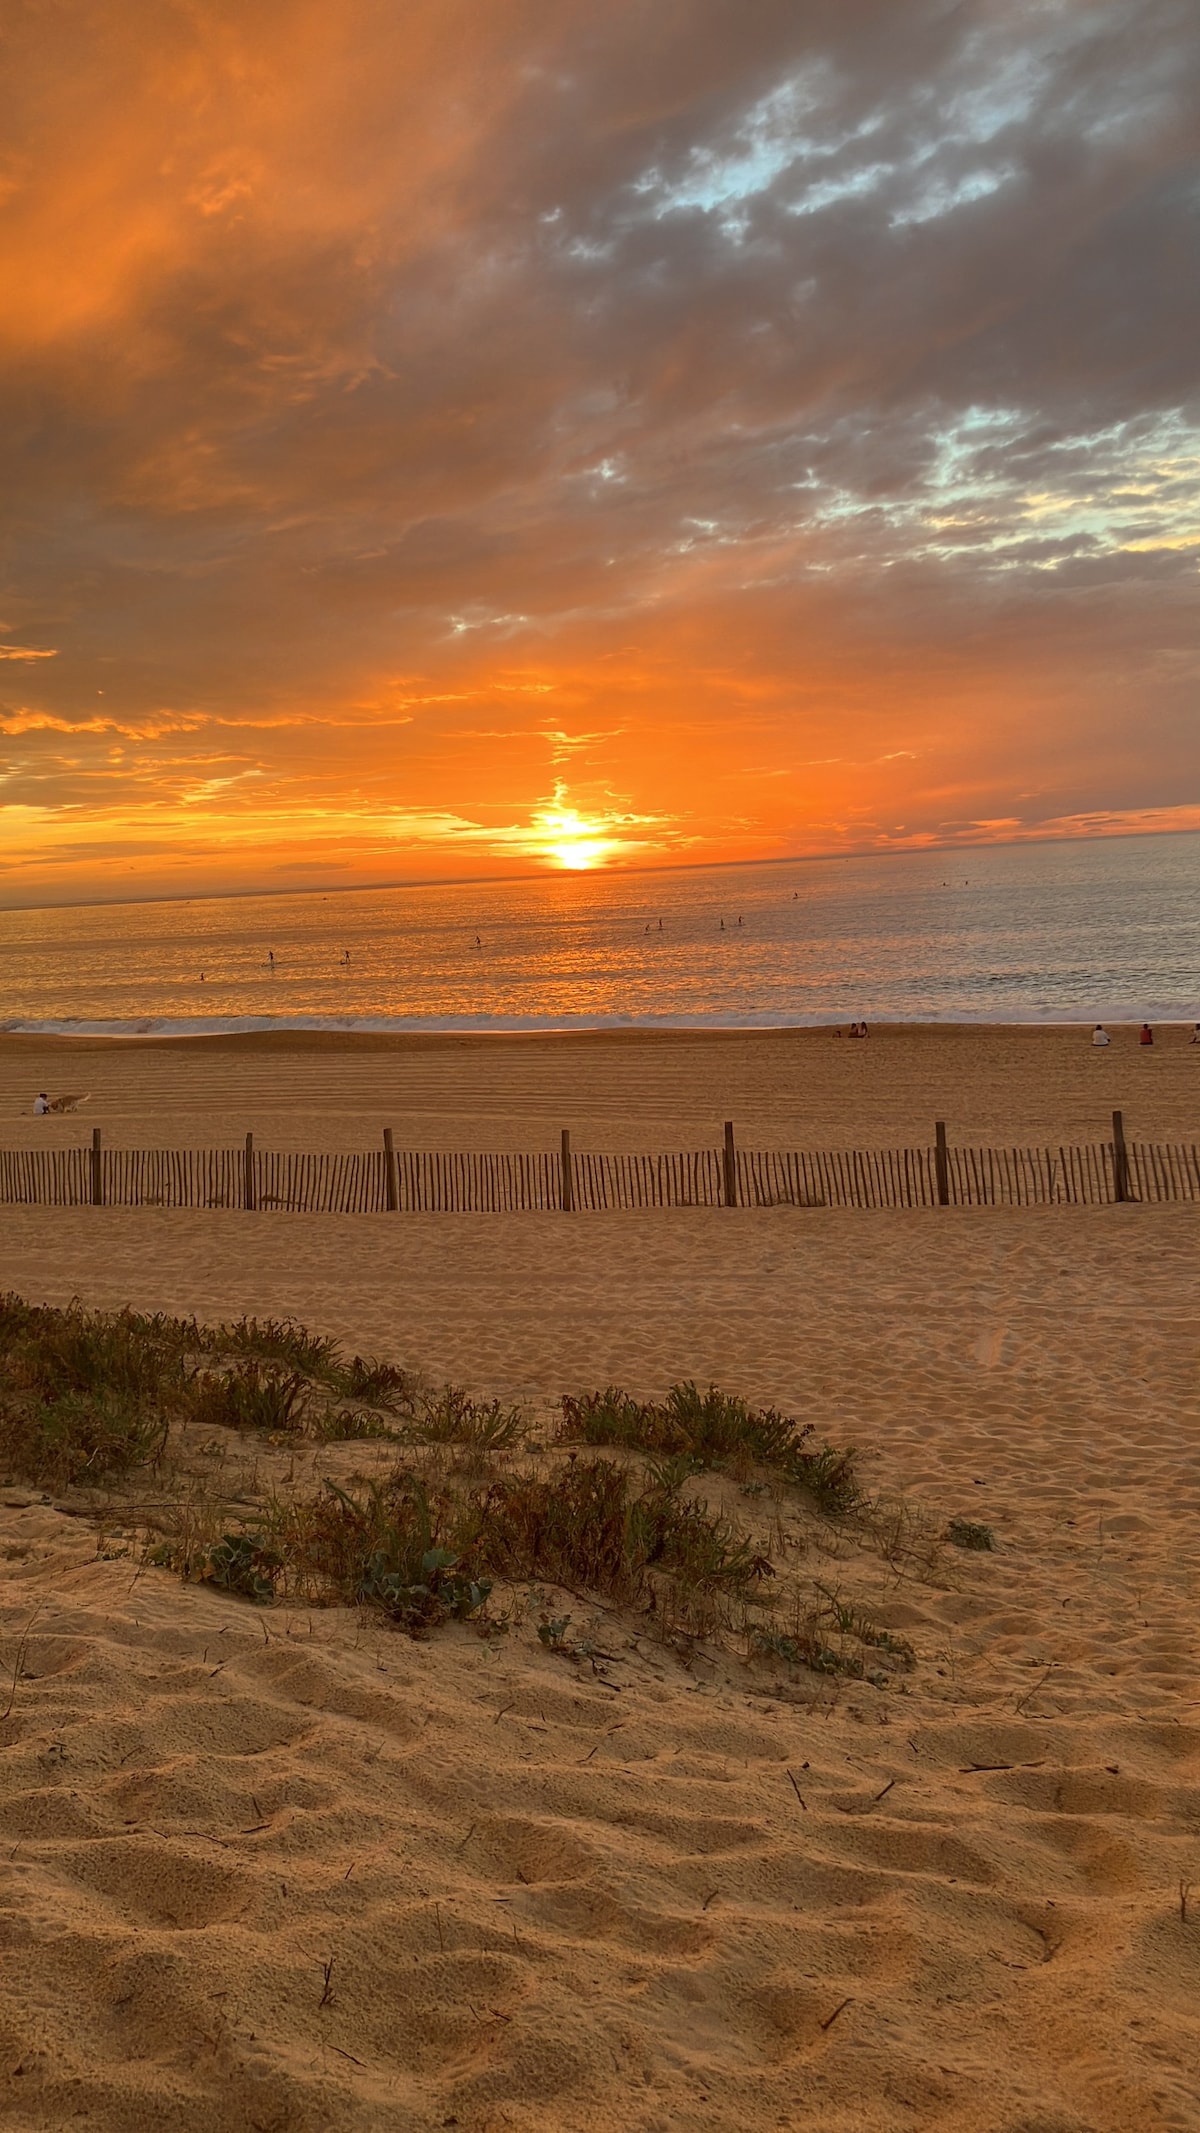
[
  {"x": 967, "y": 1533},
  {"x": 276, "y": 1340},
  {"x": 715, "y": 1429},
  {"x": 590, "y": 1524},
  {"x": 234, "y": 1562},
  {"x": 553, "y": 1634},
  {"x": 388, "y": 1547},
  {"x": 453, "y": 1417},
  {"x": 345, "y": 1425},
  {"x": 77, "y": 1437},
  {"x": 252, "y": 1396},
  {"x": 376, "y": 1384}
]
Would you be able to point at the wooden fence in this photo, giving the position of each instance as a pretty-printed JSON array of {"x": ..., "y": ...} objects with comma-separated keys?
[{"x": 418, "y": 1181}]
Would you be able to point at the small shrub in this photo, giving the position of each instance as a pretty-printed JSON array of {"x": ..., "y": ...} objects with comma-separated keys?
[
  {"x": 376, "y": 1384},
  {"x": 234, "y": 1562},
  {"x": 836, "y": 1638},
  {"x": 78, "y": 1437},
  {"x": 590, "y": 1525},
  {"x": 254, "y": 1395},
  {"x": 452, "y": 1417},
  {"x": 967, "y": 1533},
  {"x": 386, "y": 1548},
  {"x": 345, "y": 1425},
  {"x": 276, "y": 1340},
  {"x": 715, "y": 1429}
]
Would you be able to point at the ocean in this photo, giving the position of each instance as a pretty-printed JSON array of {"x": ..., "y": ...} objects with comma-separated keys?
[{"x": 1107, "y": 930}]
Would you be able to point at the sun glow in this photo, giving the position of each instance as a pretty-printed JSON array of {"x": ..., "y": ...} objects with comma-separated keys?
[
  {"x": 578, "y": 853},
  {"x": 571, "y": 840}
]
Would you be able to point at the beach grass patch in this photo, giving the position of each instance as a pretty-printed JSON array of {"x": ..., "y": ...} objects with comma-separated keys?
[
  {"x": 451, "y": 1416},
  {"x": 719, "y": 1430}
]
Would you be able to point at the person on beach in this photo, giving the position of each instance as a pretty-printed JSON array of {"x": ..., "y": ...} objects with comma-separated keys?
[
  {"x": 1100, "y": 1035},
  {"x": 41, "y": 1104},
  {"x": 1195, "y": 1036},
  {"x": 1147, "y": 1036}
]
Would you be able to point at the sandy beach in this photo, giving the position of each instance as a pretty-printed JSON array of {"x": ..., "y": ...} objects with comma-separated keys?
[
  {"x": 614, "y": 1090},
  {"x": 707, "y": 1896}
]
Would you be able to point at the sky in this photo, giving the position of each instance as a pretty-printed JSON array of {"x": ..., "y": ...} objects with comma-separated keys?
[{"x": 454, "y": 439}]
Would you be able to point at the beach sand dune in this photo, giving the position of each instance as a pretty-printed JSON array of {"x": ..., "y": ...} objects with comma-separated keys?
[{"x": 282, "y": 1870}]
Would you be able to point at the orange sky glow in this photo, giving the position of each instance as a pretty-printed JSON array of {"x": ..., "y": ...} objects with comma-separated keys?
[{"x": 455, "y": 439}]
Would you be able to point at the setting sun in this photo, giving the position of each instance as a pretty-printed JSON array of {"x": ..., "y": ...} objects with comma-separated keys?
[{"x": 578, "y": 855}]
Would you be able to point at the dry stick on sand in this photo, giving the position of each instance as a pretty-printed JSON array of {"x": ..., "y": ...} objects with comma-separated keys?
[
  {"x": 19, "y": 1661},
  {"x": 1031, "y": 1693},
  {"x": 797, "y": 1791}
]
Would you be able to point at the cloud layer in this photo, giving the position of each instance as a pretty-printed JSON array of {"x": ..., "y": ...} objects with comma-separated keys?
[{"x": 726, "y": 430}]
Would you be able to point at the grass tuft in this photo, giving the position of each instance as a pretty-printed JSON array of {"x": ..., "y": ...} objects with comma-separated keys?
[
  {"x": 967, "y": 1533},
  {"x": 718, "y": 1430},
  {"x": 451, "y": 1416}
]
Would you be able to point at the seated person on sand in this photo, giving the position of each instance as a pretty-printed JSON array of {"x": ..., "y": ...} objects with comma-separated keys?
[
  {"x": 1147, "y": 1035},
  {"x": 1100, "y": 1035},
  {"x": 41, "y": 1104}
]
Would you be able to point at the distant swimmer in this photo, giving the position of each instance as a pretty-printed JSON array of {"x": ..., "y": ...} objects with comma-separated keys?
[
  {"x": 202, "y": 977},
  {"x": 1100, "y": 1036},
  {"x": 739, "y": 922},
  {"x": 660, "y": 925},
  {"x": 346, "y": 958},
  {"x": 478, "y": 942},
  {"x": 722, "y": 925},
  {"x": 271, "y": 958}
]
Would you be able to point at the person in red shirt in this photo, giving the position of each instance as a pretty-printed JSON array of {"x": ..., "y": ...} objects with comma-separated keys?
[{"x": 1147, "y": 1036}]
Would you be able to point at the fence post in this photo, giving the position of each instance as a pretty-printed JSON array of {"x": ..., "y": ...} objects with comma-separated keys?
[
  {"x": 731, "y": 1186},
  {"x": 941, "y": 1164},
  {"x": 97, "y": 1170},
  {"x": 567, "y": 1196},
  {"x": 1120, "y": 1157},
  {"x": 250, "y": 1196},
  {"x": 391, "y": 1172}
]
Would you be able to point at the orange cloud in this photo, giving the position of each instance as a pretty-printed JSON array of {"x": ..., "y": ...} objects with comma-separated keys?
[{"x": 452, "y": 437}]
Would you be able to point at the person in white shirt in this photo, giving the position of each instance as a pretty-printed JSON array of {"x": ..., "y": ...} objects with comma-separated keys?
[
  {"x": 1100, "y": 1035},
  {"x": 41, "y": 1104}
]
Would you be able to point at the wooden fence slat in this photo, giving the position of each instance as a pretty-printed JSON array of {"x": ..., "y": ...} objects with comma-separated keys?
[{"x": 511, "y": 1181}]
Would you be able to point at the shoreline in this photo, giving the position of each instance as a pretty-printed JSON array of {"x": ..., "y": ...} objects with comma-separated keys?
[{"x": 241, "y": 1029}]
